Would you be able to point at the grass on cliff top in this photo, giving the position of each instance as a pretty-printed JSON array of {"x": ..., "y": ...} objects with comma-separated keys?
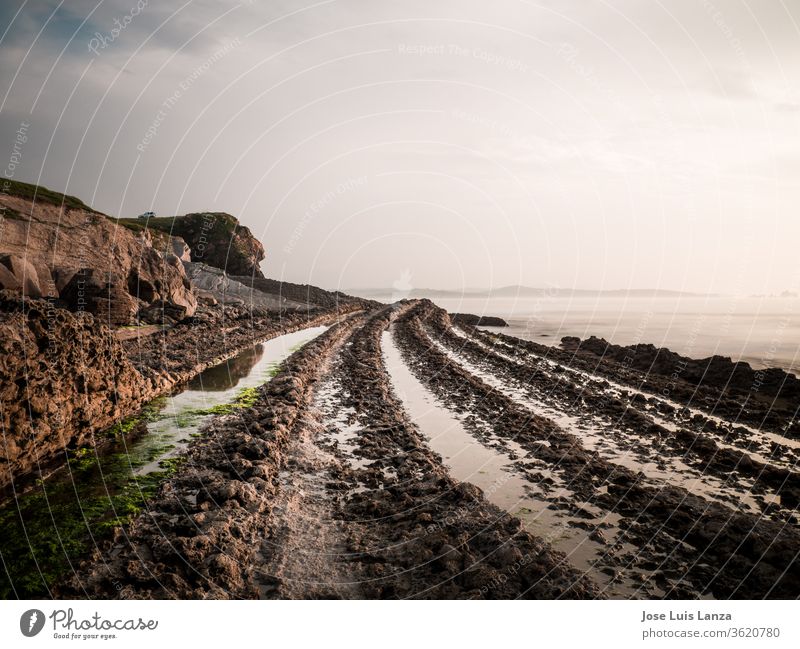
[
  {"x": 160, "y": 237},
  {"x": 169, "y": 223},
  {"x": 43, "y": 195},
  {"x": 212, "y": 224}
]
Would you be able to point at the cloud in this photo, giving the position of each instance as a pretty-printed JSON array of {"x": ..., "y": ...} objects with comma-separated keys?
[
  {"x": 641, "y": 99},
  {"x": 787, "y": 106},
  {"x": 729, "y": 83}
]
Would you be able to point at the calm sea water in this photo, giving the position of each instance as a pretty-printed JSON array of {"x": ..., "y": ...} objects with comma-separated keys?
[{"x": 764, "y": 332}]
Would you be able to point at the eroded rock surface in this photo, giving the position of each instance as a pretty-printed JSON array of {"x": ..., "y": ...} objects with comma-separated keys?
[
  {"x": 63, "y": 376},
  {"x": 89, "y": 263},
  {"x": 216, "y": 239},
  {"x": 270, "y": 503}
]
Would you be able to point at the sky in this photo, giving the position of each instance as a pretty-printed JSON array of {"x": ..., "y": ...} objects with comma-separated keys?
[{"x": 448, "y": 144}]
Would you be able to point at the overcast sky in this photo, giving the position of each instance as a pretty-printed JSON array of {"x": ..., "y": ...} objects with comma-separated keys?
[{"x": 447, "y": 144}]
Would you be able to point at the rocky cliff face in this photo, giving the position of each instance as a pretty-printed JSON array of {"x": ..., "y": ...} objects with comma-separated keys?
[
  {"x": 215, "y": 239},
  {"x": 67, "y": 252},
  {"x": 62, "y": 376}
]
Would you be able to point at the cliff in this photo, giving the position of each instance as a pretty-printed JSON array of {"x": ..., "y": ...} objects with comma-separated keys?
[
  {"x": 55, "y": 247},
  {"x": 225, "y": 289},
  {"x": 215, "y": 238},
  {"x": 69, "y": 275}
]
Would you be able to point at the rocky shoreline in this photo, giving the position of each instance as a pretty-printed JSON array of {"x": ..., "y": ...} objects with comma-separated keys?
[
  {"x": 403, "y": 527},
  {"x": 765, "y": 398},
  {"x": 325, "y": 488},
  {"x": 59, "y": 395},
  {"x": 691, "y": 545},
  {"x": 605, "y": 471}
]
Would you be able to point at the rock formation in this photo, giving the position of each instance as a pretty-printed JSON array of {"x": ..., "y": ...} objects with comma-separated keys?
[
  {"x": 226, "y": 290},
  {"x": 717, "y": 371},
  {"x": 478, "y": 320},
  {"x": 303, "y": 293},
  {"x": 215, "y": 238},
  {"x": 62, "y": 376},
  {"x": 68, "y": 272},
  {"x": 83, "y": 259}
]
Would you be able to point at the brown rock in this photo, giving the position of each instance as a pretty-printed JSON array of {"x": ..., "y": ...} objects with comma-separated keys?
[
  {"x": 181, "y": 249},
  {"x": 48, "y": 244},
  {"x": 63, "y": 376},
  {"x": 102, "y": 294},
  {"x": 23, "y": 273}
]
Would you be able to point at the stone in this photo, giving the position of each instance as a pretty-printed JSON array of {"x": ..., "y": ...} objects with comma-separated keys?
[
  {"x": 181, "y": 249},
  {"x": 24, "y": 274}
]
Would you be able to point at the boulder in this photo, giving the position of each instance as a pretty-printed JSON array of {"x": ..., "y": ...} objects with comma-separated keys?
[
  {"x": 8, "y": 280},
  {"x": 23, "y": 273},
  {"x": 161, "y": 282},
  {"x": 180, "y": 249},
  {"x": 103, "y": 294}
]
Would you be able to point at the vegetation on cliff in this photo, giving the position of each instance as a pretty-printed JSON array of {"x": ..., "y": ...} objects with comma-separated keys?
[
  {"x": 37, "y": 193},
  {"x": 215, "y": 238}
]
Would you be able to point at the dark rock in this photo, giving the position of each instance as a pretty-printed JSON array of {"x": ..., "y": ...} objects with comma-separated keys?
[
  {"x": 102, "y": 294},
  {"x": 477, "y": 320},
  {"x": 718, "y": 372},
  {"x": 216, "y": 239},
  {"x": 304, "y": 293}
]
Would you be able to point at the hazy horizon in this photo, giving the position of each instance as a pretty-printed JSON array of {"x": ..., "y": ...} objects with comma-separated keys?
[{"x": 602, "y": 146}]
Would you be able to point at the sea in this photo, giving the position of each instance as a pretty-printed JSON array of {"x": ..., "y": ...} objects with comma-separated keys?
[{"x": 762, "y": 331}]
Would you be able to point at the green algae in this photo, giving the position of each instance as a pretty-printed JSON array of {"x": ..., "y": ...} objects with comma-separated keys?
[
  {"x": 245, "y": 398},
  {"x": 49, "y": 529},
  {"x": 152, "y": 411}
]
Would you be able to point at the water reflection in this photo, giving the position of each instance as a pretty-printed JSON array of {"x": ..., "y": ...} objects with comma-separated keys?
[
  {"x": 47, "y": 530},
  {"x": 228, "y": 374}
]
